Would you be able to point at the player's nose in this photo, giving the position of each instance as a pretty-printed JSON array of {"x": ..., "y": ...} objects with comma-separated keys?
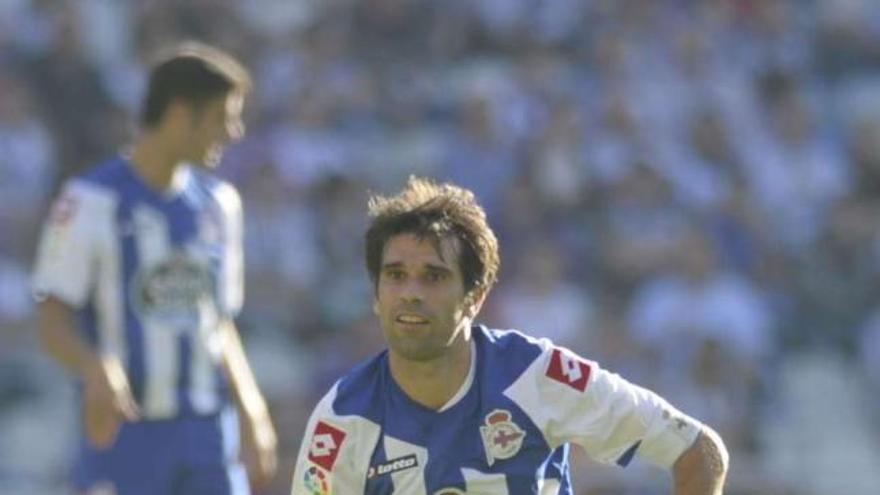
[{"x": 411, "y": 291}]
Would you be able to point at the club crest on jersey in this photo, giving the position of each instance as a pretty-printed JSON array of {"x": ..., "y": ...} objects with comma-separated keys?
[
  {"x": 325, "y": 445},
  {"x": 174, "y": 291},
  {"x": 502, "y": 438},
  {"x": 568, "y": 369},
  {"x": 316, "y": 481}
]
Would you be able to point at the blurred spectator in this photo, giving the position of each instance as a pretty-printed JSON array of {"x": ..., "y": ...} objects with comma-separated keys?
[
  {"x": 836, "y": 279},
  {"x": 28, "y": 167},
  {"x": 540, "y": 300},
  {"x": 712, "y": 322}
]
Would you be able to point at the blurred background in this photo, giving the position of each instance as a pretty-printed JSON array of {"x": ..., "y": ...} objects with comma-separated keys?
[{"x": 684, "y": 191}]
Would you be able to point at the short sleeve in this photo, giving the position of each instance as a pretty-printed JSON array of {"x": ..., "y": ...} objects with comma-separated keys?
[
  {"x": 65, "y": 265},
  {"x": 332, "y": 457},
  {"x": 574, "y": 400}
]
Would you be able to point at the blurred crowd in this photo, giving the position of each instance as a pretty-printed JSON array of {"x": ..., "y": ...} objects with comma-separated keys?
[{"x": 685, "y": 191}]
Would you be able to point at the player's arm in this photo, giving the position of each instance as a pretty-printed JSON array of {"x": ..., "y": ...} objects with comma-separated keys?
[
  {"x": 107, "y": 397},
  {"x": 615, "y": 420},
  {"x": 259, "y": 438},
  {"x": 702, "y": 468},
  {"x": 63, "y": 278},
  {"x": 259, "y": 441},
  {"x": 60, "y": 339}
]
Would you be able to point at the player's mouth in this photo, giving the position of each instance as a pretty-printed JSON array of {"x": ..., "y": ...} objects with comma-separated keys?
[{"x": 411, "y": 319}]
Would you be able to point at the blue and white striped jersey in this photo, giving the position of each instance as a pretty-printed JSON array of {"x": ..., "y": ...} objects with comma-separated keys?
[
  {"x": 507, "y": 430},
  {"x": 152, "y": 275}
]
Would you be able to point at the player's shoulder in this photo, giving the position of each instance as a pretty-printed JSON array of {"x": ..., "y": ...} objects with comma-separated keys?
[
  {"x": 111, "y": 174},
  {"x": 360, "y": 391},
  {"x": 96, "y": 188},
  {"x": 109, "y": 171},
  {"x": 510, "y": 344},
  {"x": 507, "y": 354},
  {"x": 518, "y": 357}
]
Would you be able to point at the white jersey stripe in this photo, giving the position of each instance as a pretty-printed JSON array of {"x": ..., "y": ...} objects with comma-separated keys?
[
  {"x": 205, "y": 352},
  {"x": 480, "y": 482},
  {"x": 160, "y": 341},
  {"x": 109, "y": 305}
]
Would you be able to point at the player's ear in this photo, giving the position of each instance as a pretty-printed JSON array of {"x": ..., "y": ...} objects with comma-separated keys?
[{"x": 375, "y": 306}]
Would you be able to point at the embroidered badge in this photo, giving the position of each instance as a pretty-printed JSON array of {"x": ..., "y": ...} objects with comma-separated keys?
[
  {"x": 316, "y": 481},
  {"x": 502, "y": 438}
]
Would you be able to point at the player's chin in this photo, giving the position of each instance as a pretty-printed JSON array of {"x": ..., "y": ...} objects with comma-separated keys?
[
  {"x": 411, "y": 328},
  {"x": 416, "y": 349}
]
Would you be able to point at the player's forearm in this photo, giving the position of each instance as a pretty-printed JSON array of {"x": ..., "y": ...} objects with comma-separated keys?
[
  {"x": 701, "y": 470},
  {"x": 242, "y": 382},
  {"x": 60, "y": 339}
]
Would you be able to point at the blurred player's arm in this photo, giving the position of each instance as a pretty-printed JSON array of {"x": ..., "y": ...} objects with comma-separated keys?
[
  {"x": 107, "y": 397},
  {"x": 702, "y": 468},
  {"x": 60, "y": 338},
  {"x": 64, "y": 277},
  {"x": 259, "y": 440}
]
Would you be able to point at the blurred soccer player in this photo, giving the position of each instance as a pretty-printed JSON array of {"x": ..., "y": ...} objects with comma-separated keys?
[
  {"x": 454, "y": 408},
  {"x": 139, "y": 276}
]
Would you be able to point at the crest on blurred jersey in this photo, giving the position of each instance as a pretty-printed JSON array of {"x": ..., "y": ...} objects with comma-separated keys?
[
  {"x": 502, "y": 438},
  {"x": 175, "y": 292}
]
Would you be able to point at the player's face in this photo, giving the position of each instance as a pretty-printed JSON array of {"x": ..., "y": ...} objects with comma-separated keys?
[
  {"x": 213, "y": 126},
  {"x": 420, "y": 298}
]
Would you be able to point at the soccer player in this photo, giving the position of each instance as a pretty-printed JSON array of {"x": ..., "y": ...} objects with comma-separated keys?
[
  {"x": 452, "y": 407},
  {"x": 138, "y": 276}
]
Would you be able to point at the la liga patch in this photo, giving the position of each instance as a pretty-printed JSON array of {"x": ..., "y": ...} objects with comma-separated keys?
[{"x": 316, "y": 481}]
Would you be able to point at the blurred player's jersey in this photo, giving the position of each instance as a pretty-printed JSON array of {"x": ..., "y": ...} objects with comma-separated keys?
[
  {"x": 152, "y": 275},
  {"x": 507, "y": 430}
]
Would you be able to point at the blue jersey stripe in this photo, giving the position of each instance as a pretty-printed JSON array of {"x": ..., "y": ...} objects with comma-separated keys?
[
  {"x": 184, "y": 353},
  {"x": 134, "y": 333}
]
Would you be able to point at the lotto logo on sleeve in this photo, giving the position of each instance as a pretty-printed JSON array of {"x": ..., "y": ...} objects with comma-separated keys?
[
  {"x": 567, "y": 368},
  {"x": 325, "y": 445}
]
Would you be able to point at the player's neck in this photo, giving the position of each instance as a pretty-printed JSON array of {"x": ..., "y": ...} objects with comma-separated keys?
[
  {"x": 153, "y": 162},
  {"x": 432, "y": 383}
]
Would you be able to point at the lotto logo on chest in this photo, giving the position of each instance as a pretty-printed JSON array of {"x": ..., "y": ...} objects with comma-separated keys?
[{"x": 502, "y": 438}]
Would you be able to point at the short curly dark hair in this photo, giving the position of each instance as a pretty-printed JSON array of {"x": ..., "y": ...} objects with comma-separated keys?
[{"x": 435, "y": 212}]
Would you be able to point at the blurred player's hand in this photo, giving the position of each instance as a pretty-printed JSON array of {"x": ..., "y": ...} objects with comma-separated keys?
[
  {"x": 259, "y": 447},
  {"x": 108, "y": 401}
]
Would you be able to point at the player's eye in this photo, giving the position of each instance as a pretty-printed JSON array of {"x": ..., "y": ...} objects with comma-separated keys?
[
  {"x": 435, "y": 276},
  {"x": 394, "y": 274}
]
